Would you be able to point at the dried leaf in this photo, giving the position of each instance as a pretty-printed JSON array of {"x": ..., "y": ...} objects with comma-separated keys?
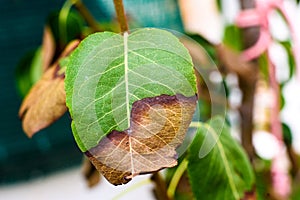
[
  {"x": 48, "y": 48},
  {"x": 158, "y": 126},
  {"x": 46, "y": 101}
]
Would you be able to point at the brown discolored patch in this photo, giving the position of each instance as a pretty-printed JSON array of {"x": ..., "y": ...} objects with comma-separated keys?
[
  {"x": 157, "y": 127},
  {"x": 251, "y": 195},
  {"x": 46, "y": 101}
]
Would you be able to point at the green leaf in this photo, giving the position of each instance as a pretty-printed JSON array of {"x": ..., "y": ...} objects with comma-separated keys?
[
  {"x": 219, "y": 4},
  {"x": 28, "y": 71},
  {"x": 232, "y": 37},
  {"x": 225, "y": 173},
  {"x": 287, "y": 135},
  {"x": 108, "y": 72},
  {"x": 291, "y": 60},
  {"x": 66, "y": 28}
]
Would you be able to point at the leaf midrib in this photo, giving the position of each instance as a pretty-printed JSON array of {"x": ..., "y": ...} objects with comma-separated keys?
[{"x": 125, "y": 36}]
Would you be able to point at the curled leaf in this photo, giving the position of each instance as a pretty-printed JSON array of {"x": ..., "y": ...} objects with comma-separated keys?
[{"x": 46, "y": 101}]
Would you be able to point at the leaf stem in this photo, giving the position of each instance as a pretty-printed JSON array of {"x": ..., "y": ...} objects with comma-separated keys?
[
  {"x": 86, "y": 14},
  {"x": 176, "y": 178},
  {"x": 160, "y": 190},
  {"x": 196, "y": 124},
  {"x": 62, "y": 20},
  {"x": 120, "y": 11},
  {"x": 247, "y": 85}
]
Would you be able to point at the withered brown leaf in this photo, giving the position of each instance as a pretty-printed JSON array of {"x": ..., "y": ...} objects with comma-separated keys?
[
  {"x": 46, "y": 100},
  {"x": 157, "y": 127}
]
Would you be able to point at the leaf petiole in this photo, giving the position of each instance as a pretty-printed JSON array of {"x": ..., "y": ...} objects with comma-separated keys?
[
  {"x": 62, "y": 20},
  {"x": 196, "y": 124},
  {"x": 120, "y": 11},
  {"x": 85, "y": 13},
  {"x": 176, "y": 178}
]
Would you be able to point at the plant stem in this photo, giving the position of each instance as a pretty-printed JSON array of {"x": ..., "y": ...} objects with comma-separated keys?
[
  {"x": 85, "y": 13},
  {"x": 276, "y": 128},
  {"x": 176, "y": 178},
  {"x": 62, "y": 21},
  {"x": 247, "y": 85},
  {"x": 160, "y": 190},
  {"x": 120, "y": 11}
]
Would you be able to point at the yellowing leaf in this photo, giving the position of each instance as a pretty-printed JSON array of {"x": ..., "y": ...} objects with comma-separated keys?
[
  {"x": 46, "y": 101},
  {"x": 157, "y": 127}
]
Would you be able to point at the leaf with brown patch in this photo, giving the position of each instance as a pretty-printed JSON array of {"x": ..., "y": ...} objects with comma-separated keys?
[
  {"x": 158, "y": 126},
  {"x": 46, "y": 101},
  {"x": 131, "y": 98}
]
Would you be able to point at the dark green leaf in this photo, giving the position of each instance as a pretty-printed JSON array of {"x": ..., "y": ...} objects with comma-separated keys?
[
  {"x": 29, "y": 71},
  {"x": 65, "y": 31},
  {"x": 287, "y": 135},
  {"x": 288, "y": 47},
  {"x": 219, "y": 4},
  {"x": 225, "y": 173},
  {"x": 232, "y": 37}
]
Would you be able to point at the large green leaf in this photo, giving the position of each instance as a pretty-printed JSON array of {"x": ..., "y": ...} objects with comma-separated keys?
[
  {"x": 225, "y": 173},
  {"x": 109, "y": 72}
]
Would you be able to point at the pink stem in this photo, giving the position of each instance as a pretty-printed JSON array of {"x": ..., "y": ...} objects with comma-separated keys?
[
  {"x": 259, "y": 47},
  {"x": 248, "y": 18}
]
